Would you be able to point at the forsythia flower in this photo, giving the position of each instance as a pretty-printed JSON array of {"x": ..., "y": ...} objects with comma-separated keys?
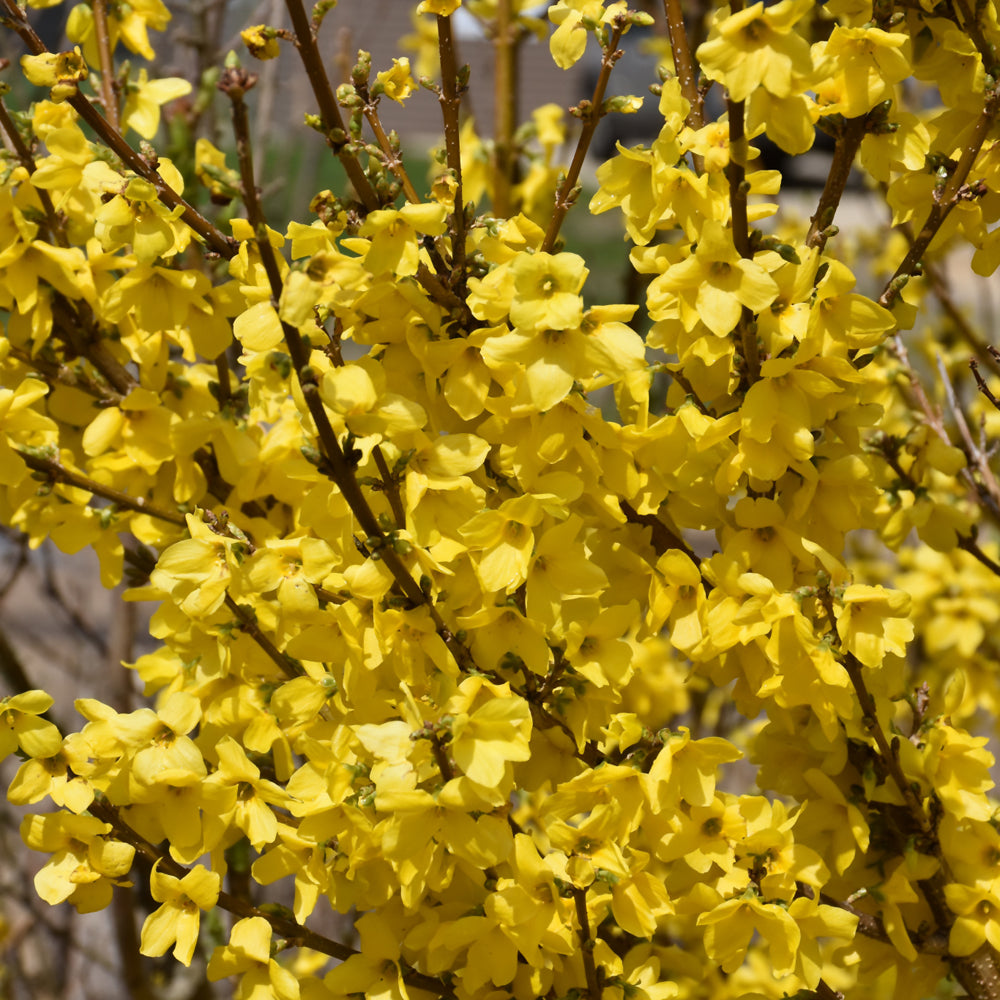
[
  {"x": 144, "y": 98},
  {"x": 262, "y": 41},
  {"x": 873, "y": 623},
  {"x": 758, "y": 46},
  {"x": 177, "y": 920},
  {"x": 397, "y": 83},
  {"x": 473, "y": 583},
  {"x": 50, "y": 69}
]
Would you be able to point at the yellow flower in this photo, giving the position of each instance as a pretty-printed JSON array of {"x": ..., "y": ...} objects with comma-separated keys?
[
  {"x": 547, "y": 291},
  {"x": 198, "y": 569},
  {"x": 719, "y": 280},
  {"x": 977, "y": 921},
  {"x": 397, "y": 83},
  {"x": 394, "y": 236},
  {"x": 249, "y": 953},
  {"x": 50, "y": 69},
  {"x": 83, "y": 861},
  {"x": 143, "y": 99},
  {"x": 251, "y": 811},
  {"x": 177, "y": 920},
  {"x": 20, "y": 725},
  {"x": 261, "y": 40},
  {"x": 757, "y": 47},
  {"x": 870, "y": 62},
  {"x": 495, "y": 733},
  {"x": 569, "y": 40},
  {"x": 505, "y": 538},
  {"x": 731, "y": 924},
  {"x": 136, "y": 215},
  {"x": 958, "y": 767},
  {"x": 873, "y": 622}
]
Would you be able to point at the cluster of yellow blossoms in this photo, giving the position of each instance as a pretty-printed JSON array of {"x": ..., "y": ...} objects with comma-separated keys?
[{"x": 444, "y": 645}]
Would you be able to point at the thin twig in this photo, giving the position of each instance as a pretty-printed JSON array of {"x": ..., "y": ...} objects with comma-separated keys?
[
  {"x": 586, "y": 943},
  {"x": 109, "y": 82},
  {"x": 58, "y": 473},
  {"x": 942, "y": 292},
  {"x": 846, "y": 149},
  {"x": 75, "y": 618},
  {"x": 392, "y": 158},
  {"x": 683, "y": 61},
  {"x": 953, "y": 191},
  {"x": 981, "y": 384},
  {"x": 390, "y": 487},
  {"x": 333, "y": 122},
  {"x": 567, "y": 193},
  {"x": 451, "y": 100},
  {"x": 987, "y": 488},
  {"x": 248, "y": 624},
  {"x": 971, "y": 546}
]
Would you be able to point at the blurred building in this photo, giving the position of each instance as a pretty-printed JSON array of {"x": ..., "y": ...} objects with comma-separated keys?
[{"x": 377, "y": 26}]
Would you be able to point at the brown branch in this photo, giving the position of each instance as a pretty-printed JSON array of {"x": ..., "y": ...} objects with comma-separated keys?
[
  {"x": 586, "y": 944},
  {"x": 953, "y": 191},
  {"x": 969, "y": 23},
  {"x": 75, "y": 325},
  {"x": 248, "y": 624},
  {"x": 567, "y": 193},
  {"x": 824, "y": 991},
  {"x": 441, "y": 758},
  {"x": 971, "y": 546},
  {"x": 846, "y": 149},
  {"x": 872, "y": 926},
  {"x": 55, "y": 372},
  {"x": 58, "y": 473},
  {"x": 390, "y": 487},
  {"x": 234, "y": 84},
  {"x": 736, "y": 173},
  {"x": 662, "y": 537},
  {"x": 683, "y": 61},
  {"x": 333, "y": 122},
  {"x": 392, "y": 158},
  {"x": 986, "y": 487},
  {"x": 222, "y": 374},
  {"x": 981, "y": 384},
  {"x": 451, "y": 99},
  {"x": 109, "y": 83}
]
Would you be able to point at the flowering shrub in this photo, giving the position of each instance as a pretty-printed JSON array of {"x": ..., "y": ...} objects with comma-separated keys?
[{"x": 447, "y": 648}]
